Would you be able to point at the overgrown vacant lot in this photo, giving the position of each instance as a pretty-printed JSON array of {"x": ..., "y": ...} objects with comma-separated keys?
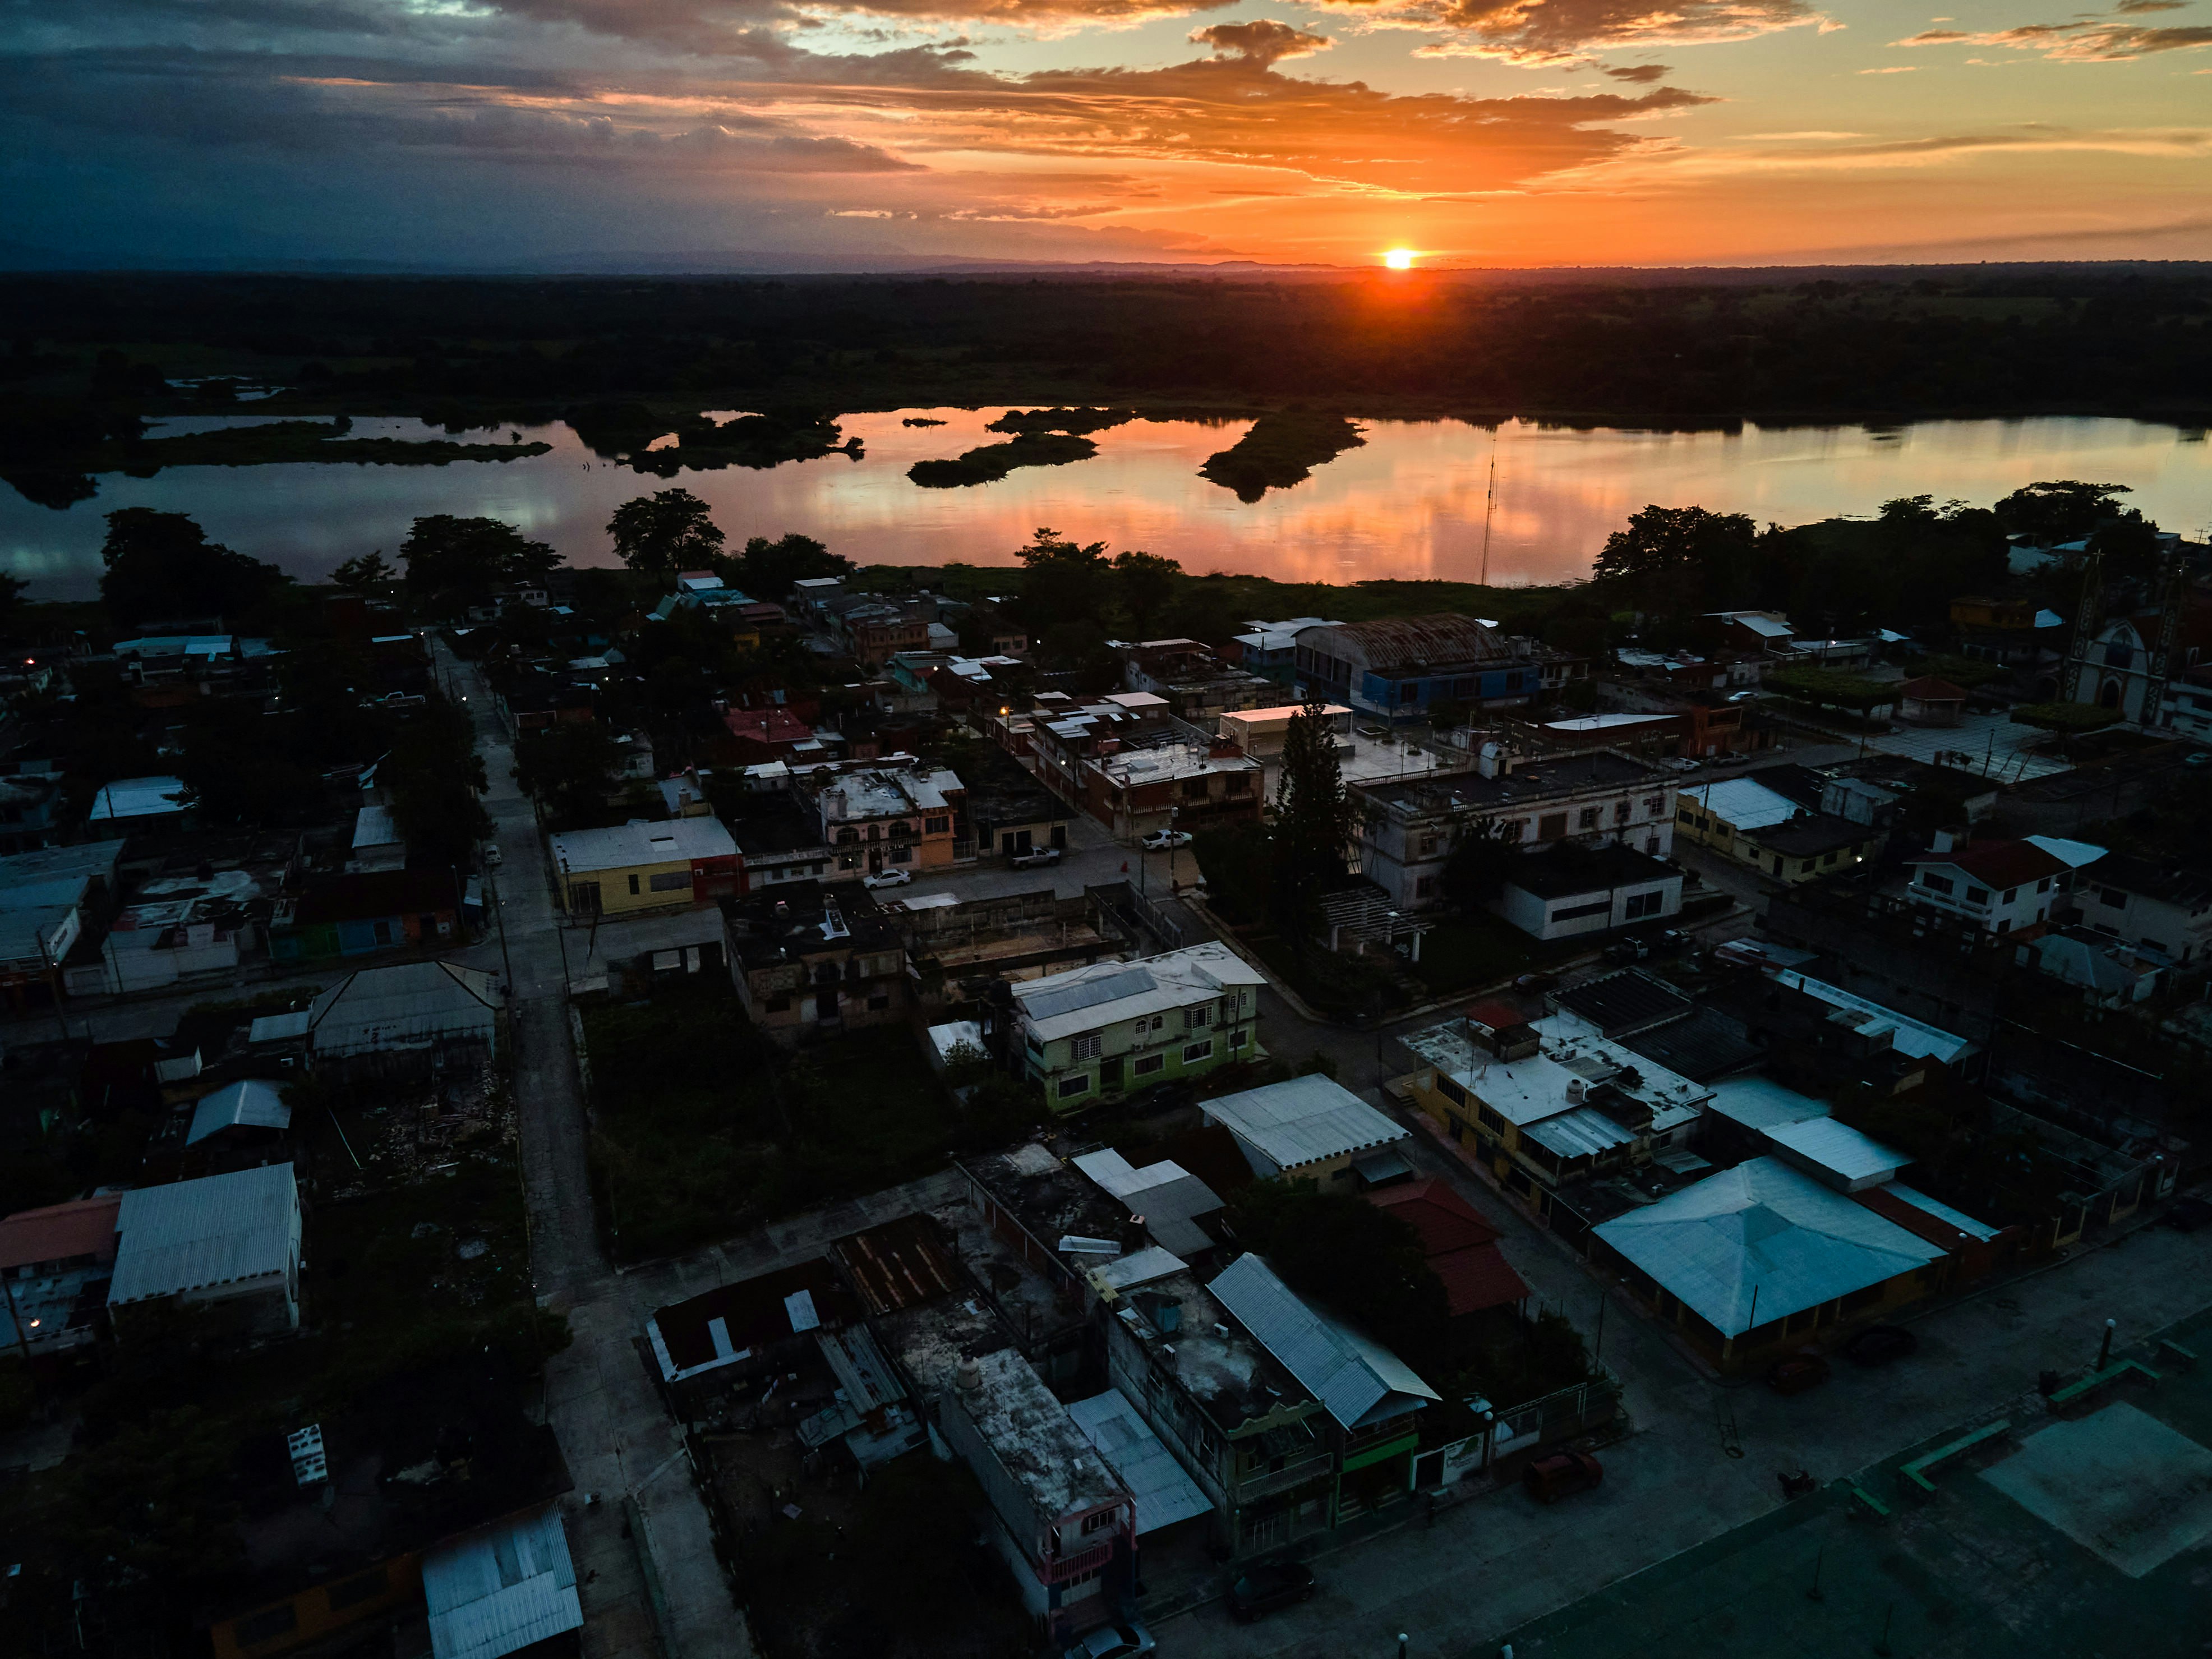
[{"x": 704, "y": 1128}]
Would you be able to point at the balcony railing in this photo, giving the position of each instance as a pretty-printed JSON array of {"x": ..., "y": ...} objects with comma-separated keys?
[
  {"x": 1266, "y": 1483},
  {"x": 1060, "y": 1569}
]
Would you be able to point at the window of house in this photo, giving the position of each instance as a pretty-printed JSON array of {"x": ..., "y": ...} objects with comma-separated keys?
[
  {"x": 1651, "y": 845},
  {"x": 1655, "y": 807},
  {"x": 1684, "y": 815},
  {"x": 1147, "y": 1064},
  {"x": 936, "y": 826},
  {"x": 1551, "y": 826},
  {"x": 1410, "y": 692},
  {"x": 1099, "y": 1522},
  {"x": 2043, "y": 886},
  {"x": 1978, "y": 895},
  {"x": 1489, "y": 1120},
  {"x": 1450, "y": 1090},
  {"x": 1036, "y": 1043},
  {"x": 1238, "y": 1039},
  {"x": 2112, "y": 898},
  {"x": 1620, "y": 811},
  {"x": 1194, "y": 1052},
  {"x": 902, "y": 855},
  {"x": 1646, "y": 904},
  {"x": 1087, "y": 1046},
  {"x": 1588, "y": 820},
  {"x": 1072, "y": 1086},
  {"x": 1424, "y": 886},
  {"x": 1197, "y": 1019},
  {"x": 672, "y": 881},
  {"x": 1429, "y": 845},
  {"x": 1194, "y": 788},
  {"x": 633, "y": 886},
  {"x": 1238, "y": 783},
  {"x": 1577, "y": 912},
  {"x": 1935, "y": 883}
]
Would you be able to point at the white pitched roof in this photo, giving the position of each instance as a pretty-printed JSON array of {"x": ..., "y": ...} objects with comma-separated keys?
[
  {"x": 1834, "y": 1145},
  {"x": 1762, "y": 1230},
  {"x": 1357, "y": 1379},
  {"x": 500, "y": 1589},
  {"x": 406, "y": 1006},
  {"x": 1744, "y": 802},
  {"x": 138, "y": 798},
  {"x": 249, "y": 1104},
  {"x": 1163, "y": 1493},
  {"x": 1065, "y": 1004},
  {"x": 2072, "y": 854},
  {"x": 372, "y": 827},
  {"x": 1303, "y": 1120},
  {"x": 1760, "y": 1103},
  {"x": 194, "y": 1234}
]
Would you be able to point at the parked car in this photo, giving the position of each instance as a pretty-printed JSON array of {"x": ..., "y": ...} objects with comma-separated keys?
[
  {"x": 1261, "y": 1589},
  {"x": 1160, "y": 840},
  {"x": 1878, "y": 1345},
  {"x": 1668, "y": 940},
  {"x": 1561, "y": 1475},
  {"x": 2198, "y": 758},
  {"x": 1531, "y": 983},
  {"x": 493, "y": 857},
  {"x": 1625, "y": 950},
  {"x": 1114, "y": 1642},
  {"x": 1795, "y": 1373},
  {"x": 1679, "y": 764},
  {"x": 888, "y": 879},
  {"x": 2189, "y": 1214},
  {"x": 1036, "y": 857}
]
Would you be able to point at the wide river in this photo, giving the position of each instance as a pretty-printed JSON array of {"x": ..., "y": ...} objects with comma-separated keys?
[{"x": 1411, "y": 502}]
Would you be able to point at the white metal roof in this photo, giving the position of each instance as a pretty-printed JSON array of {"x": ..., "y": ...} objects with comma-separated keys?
[
  {"x": 1087, "y": 998},
  {"x": 138, "y": 798},
  {"x": 626, "y": 845},
  {"x": 372, "y": 827},
  {"x": 1580, "y": 1134},
  {"x": 1137, "y": 1267},
  {"x": 2072, "y": 854},
  {"x": 409, "y": 1005},
  {"x": 1837, "y": 1147},
  {"x": 500, "y": 1589},
  {"x": 1357, "y": 1379},
  {"x": 1762, "y": 1230},
  {"x": 249, "y": 1104},
  {"x": 1760, "y": 1103},
  {"x": 279, "y": 1028},
  {"x": 195, "y": 1234},
  {"x": 1744, "y": 802},
  {"x": 1959, "y": 1219},
  {"x": 1908, "y": 1036},
  {"x": 1302, "y": 1122},
  {"x": 1163, "y": 1493}
]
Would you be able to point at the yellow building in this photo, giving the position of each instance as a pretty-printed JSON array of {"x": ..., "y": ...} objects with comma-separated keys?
[
  {"x": 1742, "y": 819},
  {"x": 644, "y": 866}
]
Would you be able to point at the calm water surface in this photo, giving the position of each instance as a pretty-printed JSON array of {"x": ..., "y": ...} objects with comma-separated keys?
[{"x": 1410, "y": 503}]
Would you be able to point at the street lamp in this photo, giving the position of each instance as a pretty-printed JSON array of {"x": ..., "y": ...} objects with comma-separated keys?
[{"x": 1172, "y": 814}]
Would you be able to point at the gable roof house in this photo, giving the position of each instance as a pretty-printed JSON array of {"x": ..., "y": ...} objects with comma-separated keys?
[
  {"x": 1312, "y": 1129},
  {"x": 1999, "y": 886},
  {"x": 228, "y": 1241},
  {"x": 411, "y": 1016},
  {"x": 1099, "y": 1031}
]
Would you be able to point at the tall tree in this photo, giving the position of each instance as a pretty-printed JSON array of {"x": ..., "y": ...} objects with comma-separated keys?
[
  {"x": 2059, "y": 509},
  {"x": 1144, "y": 583},
  {"x": 162, "y": 565},
  {"x": 570, "y": 768},
  {"x": 1315, "y": 820},
  {"x": 366, "y": 576},
  {"x": 767, "y": 568},
  {"x": 1064, "y": 582},
  {"x": 454, "y": 562},
  {"x": 434, "y": 776},
  {"x": 665, "y": 533},
  {"x": 1669, "y": 559}
]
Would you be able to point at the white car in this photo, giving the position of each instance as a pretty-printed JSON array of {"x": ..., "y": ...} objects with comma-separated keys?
[
  {"x": 888, "y": 879},
  {"x": 1034, "y": 858},
  {"x": 1114, "y": 1642},
  {"x": 1160, "y": 840},
  {"x": 493, "y": 856}
]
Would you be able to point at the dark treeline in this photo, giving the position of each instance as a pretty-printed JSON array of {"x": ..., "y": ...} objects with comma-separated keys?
[{"x": 1998, "y": 339}]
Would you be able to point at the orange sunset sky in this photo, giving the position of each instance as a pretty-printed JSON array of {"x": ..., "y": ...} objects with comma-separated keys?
[{"x": 1476, "y": 132}]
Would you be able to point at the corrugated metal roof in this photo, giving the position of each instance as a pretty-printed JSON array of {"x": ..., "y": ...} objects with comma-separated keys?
[
  {"x": 85, "y": 1226},
  {"x": 138, "y": 798},
  {"x": 1908, "y": 1036},
  {"x": 195, "y": 1234},
  {"x": 1764, "y": 1236},
  {"x": 1744, "y": 802},
  {"x": 1402, "y": 642},
  {"x": 251, "y": 1104},
  {"x": 1357, "y": 1379},
  {"x": 372, "y": 827},
  {"x": 500, "y": 1589},
  {"x": 1088, "y": 998},
  {"x": 279, "y": 1028},
  {"x": 1582, "y": 1133},
  {"x": 1760, "y": 1103},
  {"x": 1138, "y": 1267},
  {"x": 1837, "y": 1147},
  {"x": 1163, "y": 1493},
  {"x": 1942, "y": 1212},
  {"x": 409, "y": 1005},
  {"x": 860, "y": 1368},
  {"x": 1302, "y": 1122}
]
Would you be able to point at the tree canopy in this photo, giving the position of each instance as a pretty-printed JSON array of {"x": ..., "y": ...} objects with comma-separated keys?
[
  {"x": 162, "y": 565},
  {"x": 1670, "y": 559},
  {"x": 434, "y": 776},
  {"x": 1362, "y": 1263},
  {"x": 454, "y": 562},
  {"x": 1314, "y": 818},
  {"x": 665, "y": 533},
  {"x": 767, "y": 568}
]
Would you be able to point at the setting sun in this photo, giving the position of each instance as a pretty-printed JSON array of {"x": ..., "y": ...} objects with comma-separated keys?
[{"x": 1399, "y": 258}]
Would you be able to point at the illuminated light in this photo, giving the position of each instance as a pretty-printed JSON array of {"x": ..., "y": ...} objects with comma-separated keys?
[{"x": 1399, "y": 258}]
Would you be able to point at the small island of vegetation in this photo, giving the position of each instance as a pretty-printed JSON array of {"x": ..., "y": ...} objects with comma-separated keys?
[{"x": 1280, "y": 450}]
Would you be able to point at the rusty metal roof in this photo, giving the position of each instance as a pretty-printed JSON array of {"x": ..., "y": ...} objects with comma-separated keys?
[
  {"x": 1402, "y": 642},
  {"x": 901, "y": 1264}
]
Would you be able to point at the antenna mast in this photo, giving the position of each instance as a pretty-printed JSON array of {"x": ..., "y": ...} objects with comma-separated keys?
[{"x": 1489, "y": 506}]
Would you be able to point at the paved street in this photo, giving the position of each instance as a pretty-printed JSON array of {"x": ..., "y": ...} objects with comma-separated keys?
[{"x": 619, "y": 1443}]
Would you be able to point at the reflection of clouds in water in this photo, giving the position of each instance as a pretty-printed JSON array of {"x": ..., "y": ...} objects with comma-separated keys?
[{"x": 1409, "y": 503}]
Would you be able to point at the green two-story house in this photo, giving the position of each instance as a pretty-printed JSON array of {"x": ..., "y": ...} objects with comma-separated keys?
[{"x": 1115, "y": 1027}]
